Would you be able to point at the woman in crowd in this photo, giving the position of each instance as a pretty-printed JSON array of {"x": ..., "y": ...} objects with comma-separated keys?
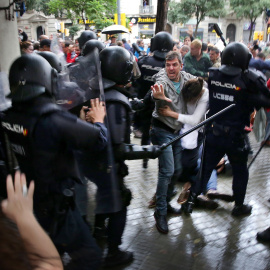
[{"x": 26, "y": 47}]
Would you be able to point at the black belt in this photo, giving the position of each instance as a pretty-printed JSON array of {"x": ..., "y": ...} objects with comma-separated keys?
[
  {"x": 219, "y": 129},
  {"x": 159, "y": 124}
]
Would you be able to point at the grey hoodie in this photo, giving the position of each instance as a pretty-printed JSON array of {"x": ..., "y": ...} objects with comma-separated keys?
[{"x": 177, "y": 104}]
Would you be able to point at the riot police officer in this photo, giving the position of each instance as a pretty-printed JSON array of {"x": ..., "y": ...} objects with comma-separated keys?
[
  {"x": 85, "y": 36},
  {"x": 232, "y": 83},
  {"x": 43, "y": 138},
  {"x": 116, "y": 67},
  {"x": 149, "y": 65}
]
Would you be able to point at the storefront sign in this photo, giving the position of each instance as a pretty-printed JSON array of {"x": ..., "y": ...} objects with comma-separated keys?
[
  {"x": 146, "y": 27},
  {"x": 136, "y": 20}
]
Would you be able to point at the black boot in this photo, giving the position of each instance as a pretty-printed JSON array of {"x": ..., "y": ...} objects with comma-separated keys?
[
  {"x": 117, "y": 257},
  {"x": 264, "y": 236},
  {"x": 187, "y": 207},
  {"x": 161, "y": 223},
  {"x": 241, "y": 210}
]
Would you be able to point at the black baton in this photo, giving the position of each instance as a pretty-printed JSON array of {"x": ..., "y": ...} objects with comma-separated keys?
[{"x": 165, "y": 145}]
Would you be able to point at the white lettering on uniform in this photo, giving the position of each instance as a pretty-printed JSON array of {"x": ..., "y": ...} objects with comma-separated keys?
[
  {"x": 151, "y": 68},
  {"x": 18, "y": 149},
  {"x": 148, "y": 78},
  {"x": 226, "y": 85},
  {"x": 15, "y": 127},
  {"x": 223, "y": 97},
  {"x": 62, "y": 101}
]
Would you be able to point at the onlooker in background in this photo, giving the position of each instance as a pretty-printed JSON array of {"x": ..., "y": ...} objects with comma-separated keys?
[
  {"x": 187, "y": 41},
  {"x": 184, "y": 50},
  {"x": 209, "y": 47},
  {"x": 65, "y": 47},
  {"x": 140, "y": 43},
  {"x": 266, "y": 50},
  {"x": 113, "y": 41},
  {"x": 148, "y": 50},
  {"x": 176, "y": 48},
  {"x": 204, "y": 48},
  {"x": 26, "y": 47},
  {"x": 77, "y": 52},
  {"x": 22, "y": 35},
  {"x": 259, "y": 63},
  {"x": 42, "y": 37},
  {"x": 36, "y": 46},
  {"x": 196, "y": 62},
  {"x": 120, "y": 44},
  {"x": 126, "y": 45},
  {"x": 214, "y": 55},
  {"x": 45, "y": 45},
  {"x": 31, "y": 248}
]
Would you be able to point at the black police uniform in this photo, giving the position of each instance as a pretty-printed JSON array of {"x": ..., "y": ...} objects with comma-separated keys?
[
  {"x": 149, "y": 66},
  {"x": 3, "y": 161},
  {"x": 107, "y": 168},
  {"x": 226, "y": 134},
  {"x": 43, "y": 137}
]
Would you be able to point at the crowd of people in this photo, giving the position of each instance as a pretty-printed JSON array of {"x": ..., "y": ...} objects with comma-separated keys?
[{"x": 171, "y": 87}]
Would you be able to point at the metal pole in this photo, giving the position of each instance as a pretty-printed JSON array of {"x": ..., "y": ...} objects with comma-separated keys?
[
  {"x": 119, "y": 17},
  {"x": 258, "y": 152},
  {"x": 165, "y": 145}
]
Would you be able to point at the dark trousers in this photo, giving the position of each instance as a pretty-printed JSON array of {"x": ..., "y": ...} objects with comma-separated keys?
[
  {"x": 190, "y": 162},
  {"x": 234, "y": 145},
  {"x": 116, "y": 226},
  {"x": 84, "y": 252}
]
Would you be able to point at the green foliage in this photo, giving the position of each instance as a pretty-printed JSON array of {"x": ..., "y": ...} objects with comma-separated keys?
[
  {"x": 99, "y": 11},
  {"x": 74, "y": 29},
  {"x": 38, "y": 5},
  {"x": 250, "y": 9},
  {"x": 182, "y": 12}
]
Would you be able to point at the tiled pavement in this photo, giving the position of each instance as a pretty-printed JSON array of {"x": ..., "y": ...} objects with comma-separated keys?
[{"x": 206, "y": 239}]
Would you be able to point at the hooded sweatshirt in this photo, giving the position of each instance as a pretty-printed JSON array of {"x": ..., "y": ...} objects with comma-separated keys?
[{"x": 177, "y": 104}]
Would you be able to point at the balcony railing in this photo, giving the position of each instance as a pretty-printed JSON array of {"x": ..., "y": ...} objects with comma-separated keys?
[{"x": 146, "y": 9}]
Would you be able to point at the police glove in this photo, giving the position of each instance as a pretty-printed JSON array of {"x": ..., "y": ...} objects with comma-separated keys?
[{"x": 137, "y": 104}]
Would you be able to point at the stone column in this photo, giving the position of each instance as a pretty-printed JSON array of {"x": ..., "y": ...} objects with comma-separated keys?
[{"x": 9, "y": 42}]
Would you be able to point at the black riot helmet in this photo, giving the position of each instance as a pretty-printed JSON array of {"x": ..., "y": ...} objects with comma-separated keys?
[
  {"x": 30, "y": 76},
  {"x": 85, "y": 36},
  {"x": 161, "y": 44},
  {"x": 236, "y": 54},
  {"x": 116, "y": 64},
  {"x": 52, "y": 59},
  {"x": 90, "y": 45}
]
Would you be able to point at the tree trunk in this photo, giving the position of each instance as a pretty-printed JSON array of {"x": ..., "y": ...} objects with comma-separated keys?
[
  {"x": 162, "y": 12},
  {"x": 251, "y": 29},
  {"x": 196, "y": 30}
]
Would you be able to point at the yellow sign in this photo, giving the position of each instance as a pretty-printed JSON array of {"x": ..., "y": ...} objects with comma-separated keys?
[
  {"x": 256, "y": 35},
  {"x": 268, "y": 30},
  {"x": 86, "y": 22},
  {"x": 146, "y": 20}
]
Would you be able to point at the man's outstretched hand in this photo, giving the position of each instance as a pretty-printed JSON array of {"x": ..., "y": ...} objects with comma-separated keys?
[{"x": 158, "y": 92}]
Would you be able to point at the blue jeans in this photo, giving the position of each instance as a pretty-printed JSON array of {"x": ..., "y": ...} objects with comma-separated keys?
[
  {"x": 212, "y": 183},
  {"x": 169, "y": 166}
]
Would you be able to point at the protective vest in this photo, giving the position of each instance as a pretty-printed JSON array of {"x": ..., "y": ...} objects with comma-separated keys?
[
  {"x": 54, "y": 170},
  {"x": 149, "y": 66},
  {"x": 225, "y": 90}
]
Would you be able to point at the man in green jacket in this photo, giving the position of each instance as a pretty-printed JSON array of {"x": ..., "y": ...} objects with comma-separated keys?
[{"x": 196, "y": 62}]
